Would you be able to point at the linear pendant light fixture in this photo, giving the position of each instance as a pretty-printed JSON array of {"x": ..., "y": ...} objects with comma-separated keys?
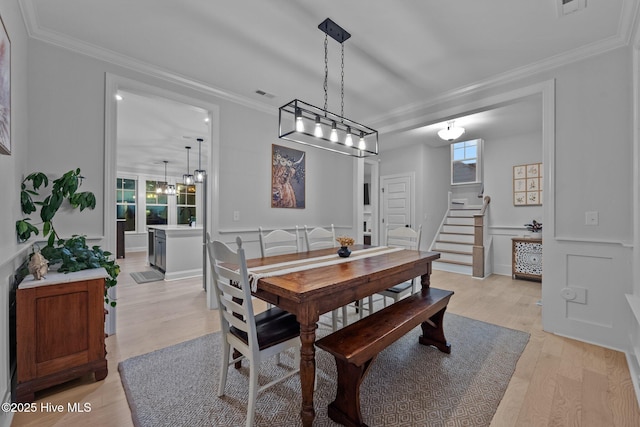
[
  {"x": 318, "y": 127},
  {"x": 187, "y": 178}
]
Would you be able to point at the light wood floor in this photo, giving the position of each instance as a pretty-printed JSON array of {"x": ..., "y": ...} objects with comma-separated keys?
[{"x": 557, "y": 382}]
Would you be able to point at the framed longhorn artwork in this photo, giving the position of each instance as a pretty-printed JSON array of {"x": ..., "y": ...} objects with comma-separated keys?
[{"x": 287, "y": 177}]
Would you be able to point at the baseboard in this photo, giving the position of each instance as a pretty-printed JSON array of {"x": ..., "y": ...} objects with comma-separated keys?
[
  {"x": 184, "y": 274},
  {"x": 634, "y": 371},
  {"x": 6, "y": 417}
]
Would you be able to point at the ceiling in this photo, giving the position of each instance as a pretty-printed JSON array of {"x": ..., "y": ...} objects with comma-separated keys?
[{"x": 400, "y": 58}]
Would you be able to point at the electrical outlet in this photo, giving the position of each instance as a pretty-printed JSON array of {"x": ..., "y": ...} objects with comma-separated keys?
[
  {"x": 574, "y": 294},
  {"x": 236, "y": 215}
]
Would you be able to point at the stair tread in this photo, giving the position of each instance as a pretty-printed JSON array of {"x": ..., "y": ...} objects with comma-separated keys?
[
  {"x": 449, "y": 261},
  {"x": 454, "y": 252},
  {"x": 451, "y": 232},
  {"x": 454, "y": 242}
]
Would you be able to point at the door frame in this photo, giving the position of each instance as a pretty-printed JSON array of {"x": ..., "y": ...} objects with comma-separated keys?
[{"x": 113, "y": 83}]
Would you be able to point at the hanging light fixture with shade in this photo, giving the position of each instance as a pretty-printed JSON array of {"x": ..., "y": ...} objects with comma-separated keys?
[
  {"x": 199, "y": 174},
  {"x": 318, "y": 127},
  {"x": 166, "y": 188},
  {"x": 451, "y": 132},
  {"x": 187, "y": 178}
]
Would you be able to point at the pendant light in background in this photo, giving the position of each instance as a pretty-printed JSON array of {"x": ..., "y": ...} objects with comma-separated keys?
[
  {"x": 187, "y": 178},
  {"x": 199, "y": 174}
]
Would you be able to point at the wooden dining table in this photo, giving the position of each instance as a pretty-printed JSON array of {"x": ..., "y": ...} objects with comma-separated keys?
[{"x": 310, "y": 293}]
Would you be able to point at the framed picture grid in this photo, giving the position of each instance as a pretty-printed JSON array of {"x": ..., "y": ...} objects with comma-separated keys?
[{"x": 527, "y": 184}]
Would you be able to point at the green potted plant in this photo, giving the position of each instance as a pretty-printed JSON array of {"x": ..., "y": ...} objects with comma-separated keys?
[{"x": 72, "y": 254}]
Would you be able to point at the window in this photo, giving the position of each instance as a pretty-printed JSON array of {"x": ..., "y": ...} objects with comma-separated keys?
[
  {"x": 186, "y": 203},
  {"x": 157, "y": 204},
  {"x": 126, "y": 202},
  {"x": 466, "y": 162}
]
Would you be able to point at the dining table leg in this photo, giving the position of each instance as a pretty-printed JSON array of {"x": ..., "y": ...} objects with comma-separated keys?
[
  {"x": 307, "y": 370},
  {"x": 425, "y": 279}
]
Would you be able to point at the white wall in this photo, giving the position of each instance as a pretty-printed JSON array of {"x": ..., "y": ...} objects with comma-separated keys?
[
  {"x": 12, "y": 171},
  {"x": 68, "y": 117},
  {"x": 505, "y": 219},
  {"x": 431, "y": 168},
  {"x": 587, "y": 167}
]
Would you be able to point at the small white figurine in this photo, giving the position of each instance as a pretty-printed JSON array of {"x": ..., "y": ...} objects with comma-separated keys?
[{"x": 38, "y": 266}]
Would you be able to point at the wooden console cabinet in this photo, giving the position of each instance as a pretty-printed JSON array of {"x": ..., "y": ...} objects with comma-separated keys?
[
  {"x": 526, "y": 258},
  {"x": 59, "y": 330}
]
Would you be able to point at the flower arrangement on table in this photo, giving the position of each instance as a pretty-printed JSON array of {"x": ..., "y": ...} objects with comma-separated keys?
[
  {"x": 535, "y": 226},
  {"x": 345, "y": 241}
]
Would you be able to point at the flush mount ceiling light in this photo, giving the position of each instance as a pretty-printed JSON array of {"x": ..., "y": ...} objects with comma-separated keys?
[
  {"x": 451, "y": 132},
  {"x": 187, "y": 178},
  {"x": 310, "y": 125}
]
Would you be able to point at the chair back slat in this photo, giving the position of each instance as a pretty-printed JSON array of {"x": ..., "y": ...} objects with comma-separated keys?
[
  {"x": 320, "y": 238},
  {"x": 279, "y": 242},
  {"x": 404, "y": 237},
  {"x": 232, "y": 289}
]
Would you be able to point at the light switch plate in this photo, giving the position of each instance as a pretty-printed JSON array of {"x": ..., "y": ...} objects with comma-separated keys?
[{"x": 591, "y": 218}]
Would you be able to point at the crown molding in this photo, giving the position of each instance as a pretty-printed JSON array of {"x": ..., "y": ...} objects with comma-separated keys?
[
  {"x": 627, "y": 27},
  {"x": 36, "y": 32}
]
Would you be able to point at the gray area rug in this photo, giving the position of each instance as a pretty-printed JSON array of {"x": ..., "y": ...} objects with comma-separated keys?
[
  {"x": 408, "y": 385},
  {"x": 147, "y": 276}
]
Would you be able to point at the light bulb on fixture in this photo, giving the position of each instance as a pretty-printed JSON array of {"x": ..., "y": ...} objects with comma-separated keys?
[
  {"x": 333, "y": 136},
  {"x": 361, "y": 144},
  {"x": 348, "y": 140},
  {"x": 318, "y": 130},
  {"x": 452, "y": 132},
  {"x": 299, "y": 122}
]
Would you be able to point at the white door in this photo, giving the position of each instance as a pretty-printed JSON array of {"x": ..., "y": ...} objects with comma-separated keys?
[{"x": 397, "y": 202}]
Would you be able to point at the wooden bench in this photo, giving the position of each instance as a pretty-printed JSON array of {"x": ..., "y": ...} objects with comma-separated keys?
[{"x": 356, "y": 346}]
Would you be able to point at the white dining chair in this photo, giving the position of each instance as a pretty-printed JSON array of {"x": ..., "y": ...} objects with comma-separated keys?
[
  {"x": 407, "y": 238},
  {"x": 278, "y": 242},
  {"x": 255, "y": 336},
  {"x": 321, "y": 238}
]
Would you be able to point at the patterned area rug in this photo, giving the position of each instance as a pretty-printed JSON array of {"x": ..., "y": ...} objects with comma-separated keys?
[
  {"x": 408, "y": 384},
  {"x": 147, "y": 276}
]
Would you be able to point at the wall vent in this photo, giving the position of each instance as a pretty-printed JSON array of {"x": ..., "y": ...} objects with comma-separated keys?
[
  {"x": 566, "y": 7},
  {"x": 265, "y": 94}
]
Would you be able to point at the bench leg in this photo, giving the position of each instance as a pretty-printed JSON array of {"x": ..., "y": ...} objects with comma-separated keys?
[
  {"x": 345, "y": 409},
  {"x": 433, "y": 333}
]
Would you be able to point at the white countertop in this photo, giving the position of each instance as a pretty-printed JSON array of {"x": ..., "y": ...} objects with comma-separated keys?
[
  {"x": 174, "y": 227},
  {"x": 56, "y": 278}
]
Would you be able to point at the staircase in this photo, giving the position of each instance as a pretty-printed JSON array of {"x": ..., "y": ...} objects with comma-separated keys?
[{"x": 455, "y": 240}]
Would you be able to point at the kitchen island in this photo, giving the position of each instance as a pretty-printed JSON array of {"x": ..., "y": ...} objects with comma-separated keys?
[{"x": 176, "y": 250}]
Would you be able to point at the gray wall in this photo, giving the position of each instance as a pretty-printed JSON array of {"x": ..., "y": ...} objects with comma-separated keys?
[{"x": 12, "y": 170}]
